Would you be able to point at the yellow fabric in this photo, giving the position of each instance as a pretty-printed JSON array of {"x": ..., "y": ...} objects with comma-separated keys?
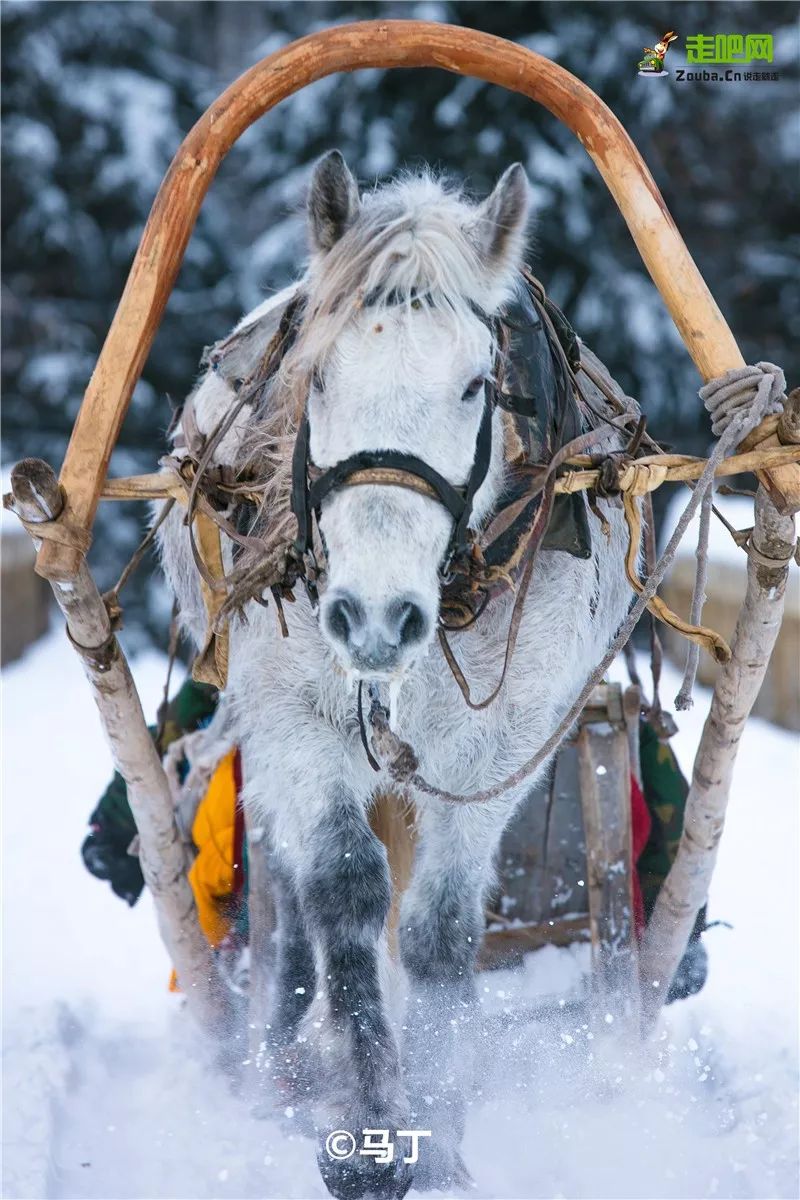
[{"x": 211, "y": 875}]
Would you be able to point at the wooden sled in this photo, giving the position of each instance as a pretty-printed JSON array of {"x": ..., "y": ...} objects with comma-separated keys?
[
  {"x": 59, "y": 515},
  {"x": 565, "y": 863}
]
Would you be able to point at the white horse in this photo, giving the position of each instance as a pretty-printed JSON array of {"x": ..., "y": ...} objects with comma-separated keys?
[{"x": 394, "y": 349}]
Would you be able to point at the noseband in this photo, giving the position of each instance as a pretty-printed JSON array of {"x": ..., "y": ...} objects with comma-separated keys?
[{"x": 391, "y": 468}]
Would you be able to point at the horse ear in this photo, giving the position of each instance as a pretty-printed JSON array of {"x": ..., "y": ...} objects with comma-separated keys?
[
  {"x": 333, "y": 201},
  {"x": 500, "y": 222}
]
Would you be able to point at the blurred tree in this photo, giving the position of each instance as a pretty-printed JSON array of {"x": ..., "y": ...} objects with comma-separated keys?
[{"x": 97, "y": 96}]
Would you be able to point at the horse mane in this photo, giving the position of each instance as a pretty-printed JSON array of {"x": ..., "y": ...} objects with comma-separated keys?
[{"x": 411, "y": 239}]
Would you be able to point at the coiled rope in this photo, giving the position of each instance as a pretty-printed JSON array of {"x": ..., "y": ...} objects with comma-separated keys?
[{"x": 737, "y": 402}]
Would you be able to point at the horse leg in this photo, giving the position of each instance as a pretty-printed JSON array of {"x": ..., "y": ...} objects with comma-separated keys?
[
  {"x": 441, "y": 926},
  {"x": 345, "y": 895},
  {"x": 293, "y": 985}
]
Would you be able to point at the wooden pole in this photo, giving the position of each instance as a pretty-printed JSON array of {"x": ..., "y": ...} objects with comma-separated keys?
[
  {"x": 346, "y": 48},
  {"x": 604, "y": 774},
  {"x": 686, "y": 887},
  {"x": 37, "y": 499}
]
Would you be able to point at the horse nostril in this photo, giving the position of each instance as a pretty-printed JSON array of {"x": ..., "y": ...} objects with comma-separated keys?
[
  {"x": 407, "y": 621},
  {"x": 344, "y": 617}
]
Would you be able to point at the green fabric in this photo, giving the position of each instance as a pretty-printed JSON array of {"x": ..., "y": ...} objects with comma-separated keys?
[
  {"x": 114, "y": 812},
  {"x": 665, "y": 791},
  {"x": 105, "y": 850},
  {"x": 192, "y": 705}
]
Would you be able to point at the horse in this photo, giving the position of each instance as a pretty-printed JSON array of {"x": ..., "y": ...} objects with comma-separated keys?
[{"x": 394, "y": 357}]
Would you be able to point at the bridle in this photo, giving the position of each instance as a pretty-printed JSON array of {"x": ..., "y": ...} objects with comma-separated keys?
[
  {"x": 512, "y": 544},
  {"x": 310, "y": 487},
  {"x": 533, "y": 381}
]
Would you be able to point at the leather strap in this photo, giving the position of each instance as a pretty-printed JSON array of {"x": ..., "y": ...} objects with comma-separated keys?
[
  {"x": 480, "y": 467},
  {"x": 367, "y": 460},
  {"x": 390, "y": 467}
]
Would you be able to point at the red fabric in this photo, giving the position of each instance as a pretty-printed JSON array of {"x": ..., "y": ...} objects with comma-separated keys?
[{"x": 640, "y": 832}]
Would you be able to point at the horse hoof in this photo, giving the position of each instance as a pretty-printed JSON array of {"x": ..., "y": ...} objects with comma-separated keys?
[{"x": 357, "y": 1176}]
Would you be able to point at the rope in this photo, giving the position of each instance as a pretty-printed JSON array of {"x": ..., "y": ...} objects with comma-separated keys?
[
  {"x": 111, "y": 597},
  {"x": 734, "y": 397},
  {"x": 737, "y": 402},
  {"x": 399, "y": 752},
  {"x": 684, "y": 700},
  {"x": 58, "y": 530}
]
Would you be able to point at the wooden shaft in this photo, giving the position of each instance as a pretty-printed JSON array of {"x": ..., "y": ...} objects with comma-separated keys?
[
  {"x": 261, "y": 924},
  {"x": 37, "y": 498},
  {"x": 501, "y": 947},
  {"x": 681, "y": 471},
  {"x": 346, "y": 48}
]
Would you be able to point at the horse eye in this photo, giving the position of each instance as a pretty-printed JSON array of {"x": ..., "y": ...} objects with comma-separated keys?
[
  {"x": 473, "y": 388},
  {"x": 317, "y": 381}
]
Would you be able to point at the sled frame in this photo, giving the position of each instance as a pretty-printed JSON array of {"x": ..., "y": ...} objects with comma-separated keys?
[{"x": 67, "y": 518}]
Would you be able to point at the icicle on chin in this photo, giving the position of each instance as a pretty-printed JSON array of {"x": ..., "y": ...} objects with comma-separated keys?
[{"x": 395, "y": 684}]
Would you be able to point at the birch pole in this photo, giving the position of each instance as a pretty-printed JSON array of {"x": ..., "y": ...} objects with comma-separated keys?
[
  {"x": 739, "y": 682},
  {"x": 37, "y": 500}
]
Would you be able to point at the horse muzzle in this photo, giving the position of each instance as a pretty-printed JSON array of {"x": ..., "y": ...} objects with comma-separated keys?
[{"x": 374, "y": 638}]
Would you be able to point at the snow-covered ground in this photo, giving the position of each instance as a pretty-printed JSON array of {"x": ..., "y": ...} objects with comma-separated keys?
[{"x": 108, "y": 1094}]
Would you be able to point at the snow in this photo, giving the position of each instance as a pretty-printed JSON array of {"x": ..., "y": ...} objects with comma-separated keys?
[
  {"x": 144, "y": 107},
  {"x": 737, "y": 510},
  {"x": 108, "y": 1092}
]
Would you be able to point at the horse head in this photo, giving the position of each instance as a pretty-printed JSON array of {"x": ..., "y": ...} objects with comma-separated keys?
[{"x": 400, "y": 351}]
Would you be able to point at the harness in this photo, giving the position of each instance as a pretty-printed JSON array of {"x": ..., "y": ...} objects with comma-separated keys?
[
  {"x": 546, "y": 389},
  {"x": 544, "y": 410}
]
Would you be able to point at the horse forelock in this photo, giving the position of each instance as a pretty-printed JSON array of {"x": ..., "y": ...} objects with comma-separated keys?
[{"x": 412, "y": 237}]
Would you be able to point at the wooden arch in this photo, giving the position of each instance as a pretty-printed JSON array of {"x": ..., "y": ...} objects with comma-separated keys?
[{"x": 347, "y": 48}]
